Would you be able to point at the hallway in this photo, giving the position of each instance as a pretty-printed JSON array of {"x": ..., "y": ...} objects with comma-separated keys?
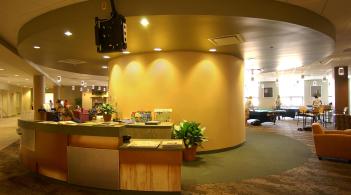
[{"x": 8, "y": 133}]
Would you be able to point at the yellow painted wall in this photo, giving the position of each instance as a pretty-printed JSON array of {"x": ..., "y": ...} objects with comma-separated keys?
[
  {"x": 204, "y": 87},
  {"x": 68, "y": 94}
]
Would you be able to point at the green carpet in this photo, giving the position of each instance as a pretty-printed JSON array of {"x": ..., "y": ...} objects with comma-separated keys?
[{"x": 263, "y": 154}]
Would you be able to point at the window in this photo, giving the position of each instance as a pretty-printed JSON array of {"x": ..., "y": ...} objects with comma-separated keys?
[{"x": 291, "y": 91}]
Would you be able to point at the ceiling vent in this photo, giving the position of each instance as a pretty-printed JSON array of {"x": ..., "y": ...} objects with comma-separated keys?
[
  {"x": 72, "y": 61},
  {"x": 227, "y": 40}
]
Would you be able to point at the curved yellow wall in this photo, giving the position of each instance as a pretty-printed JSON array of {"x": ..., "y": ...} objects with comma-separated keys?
[{"x": 203, "y": 87}]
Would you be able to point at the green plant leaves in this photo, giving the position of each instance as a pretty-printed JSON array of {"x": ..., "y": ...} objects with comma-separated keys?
[
  {"x": 191, "y": 133},
  {"x": 107, "y": 109}
]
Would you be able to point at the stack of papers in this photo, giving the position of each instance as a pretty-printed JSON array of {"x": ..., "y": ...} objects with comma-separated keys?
[
  {"x": 172, "y": 144},
  {"x": 144, "y": 144}
]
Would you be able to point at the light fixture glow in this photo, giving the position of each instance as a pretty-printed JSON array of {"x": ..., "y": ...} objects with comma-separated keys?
[
  {"x": 36, "y": 47},
  {"x": 144, "y": 22},
  {"x": 81, "y": 89},
  {"x": 126, "y": 52},
  {"x": 16, "y": 75},
  {"x": 104, "y": 67},
  {"x": 106, "y": 57},
  {"x": 68, "y": 33},
  {"x": 26, "y": 79},
  {"x": 212, "y": 50},
  {"x": 73, "y": 87},
  {"x": 99, "y": 88},
  {"x": 1, "y": 69},
  {"x": 82, "y": 82},
  {"x": 92, "y": 87},
  {"x": 59, "y": 79},
  {"x": 157, "y": 49}
]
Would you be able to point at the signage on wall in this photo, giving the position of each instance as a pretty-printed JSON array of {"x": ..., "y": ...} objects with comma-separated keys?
[{"x": 341, "y": 71}]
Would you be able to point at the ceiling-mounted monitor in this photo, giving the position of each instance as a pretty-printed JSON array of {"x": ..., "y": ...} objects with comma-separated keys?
[{"x": 111, "y": 34}]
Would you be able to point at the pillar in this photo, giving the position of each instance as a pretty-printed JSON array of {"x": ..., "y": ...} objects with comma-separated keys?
[
  {"x": 57, "y": 93},
  {"x": 38, "y": 94},
  {"x": 341, "y": 88}
]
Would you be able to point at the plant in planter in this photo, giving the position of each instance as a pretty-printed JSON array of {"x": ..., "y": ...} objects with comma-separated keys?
[
  {"x": 107, "y": 111},
  {"x": 192, "y": 135}
]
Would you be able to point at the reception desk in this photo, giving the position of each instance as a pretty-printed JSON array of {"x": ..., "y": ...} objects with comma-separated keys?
[{"x": 92, "y": 154}]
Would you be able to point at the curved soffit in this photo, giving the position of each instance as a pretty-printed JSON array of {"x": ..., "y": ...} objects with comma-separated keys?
[{"x": 274, "y": 33}]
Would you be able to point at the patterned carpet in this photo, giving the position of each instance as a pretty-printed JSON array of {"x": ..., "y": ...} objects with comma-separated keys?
[{"x": 311, "y": 177}]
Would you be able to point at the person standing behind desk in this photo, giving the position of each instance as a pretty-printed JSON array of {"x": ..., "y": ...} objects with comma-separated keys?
[{"x": 248, "y": 106}]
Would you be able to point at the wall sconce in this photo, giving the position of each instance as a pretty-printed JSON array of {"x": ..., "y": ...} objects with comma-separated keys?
[
  {"x": 341, "y": 71},
  {"x": 82, "y": 83},
  {"x": 324, "y": 79},
  {"x": 73, "y": 87},
  {"x": 59, "y": 79}
]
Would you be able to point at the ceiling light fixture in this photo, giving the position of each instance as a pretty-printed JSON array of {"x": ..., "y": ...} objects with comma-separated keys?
[
  {"x": 104, "y": 67},
  {"x": 26, "y": 79},
  {"x": 126, "y": 52},
  {"x": 106, "y": 57},
  {"x": 1, "y": 69},
  {"x": 144, "y": 22},
  {"x": 157, "y": 49},
  {"x": 16, "y": 75},
  {"x": 212, "y": 50},
  {"x": 36, "y": 47},
  {"x": 68, "y": 33}
]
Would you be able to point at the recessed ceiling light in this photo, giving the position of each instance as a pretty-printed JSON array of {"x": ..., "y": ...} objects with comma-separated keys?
[
  {"x": 1, "y": 69},
  {"x": 16, "y": 75},
  {"x": 104, "y": 67},
  {"x": 68, "y": 33},
  {"x": 36, "y": 47},
  {"x": 126, "y": 52},
  {"x": 26, "y": 79},
  {"x": 144, "y": 22},
  {"x": 157, "y": 49},
  {"x": 106, "y": 57},
  {"x": 212, "y": 50}
]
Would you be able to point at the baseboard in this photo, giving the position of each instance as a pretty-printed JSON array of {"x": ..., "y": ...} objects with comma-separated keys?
[{"x": 221, "y": 150}]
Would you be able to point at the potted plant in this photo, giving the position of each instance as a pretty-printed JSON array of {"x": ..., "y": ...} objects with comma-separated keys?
[
  {"x": 192, "y": 135},
  {"x": 107, "y": 111}
]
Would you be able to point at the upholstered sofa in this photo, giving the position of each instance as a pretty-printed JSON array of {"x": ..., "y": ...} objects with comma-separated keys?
[{"x": 331, "y": 143}]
